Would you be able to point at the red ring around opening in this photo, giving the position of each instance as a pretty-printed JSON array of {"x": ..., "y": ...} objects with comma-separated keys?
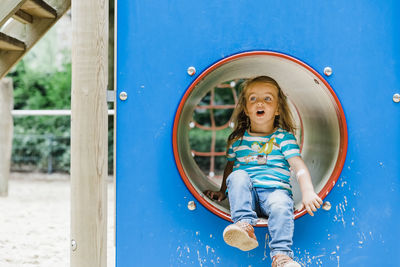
[{"x": 339, "y": 111}]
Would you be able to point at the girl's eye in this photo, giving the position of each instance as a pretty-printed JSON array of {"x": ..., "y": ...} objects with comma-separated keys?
[
  {"x": 267, "y": 98},
  {"x": 252, "y": 99}
]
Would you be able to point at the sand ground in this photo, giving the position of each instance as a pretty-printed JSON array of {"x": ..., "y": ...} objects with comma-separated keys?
[{"x": 35, "y": 222}]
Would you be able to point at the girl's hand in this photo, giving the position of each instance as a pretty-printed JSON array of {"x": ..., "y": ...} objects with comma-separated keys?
[
  {"x": 311, "y": 202},
  {"x": 215, "y": 195}
]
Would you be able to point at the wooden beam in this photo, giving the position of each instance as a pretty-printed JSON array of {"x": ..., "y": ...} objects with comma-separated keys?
[
  {"x": 6, "y": 133},
  {"x": 8, "y": 9},
  {"x": 29, "y": 33},
  {"x": 23, "y": 17},
  {"x": 39, "y": 8},
  {"x": 89, "y": 140},
  {"x": 10, "y": 44}
]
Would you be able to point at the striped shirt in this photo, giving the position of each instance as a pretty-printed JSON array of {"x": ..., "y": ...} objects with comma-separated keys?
[{"x": 264, "y": 158}]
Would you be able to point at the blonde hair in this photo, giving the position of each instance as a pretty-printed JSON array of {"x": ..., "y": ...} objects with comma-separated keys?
[{"x": 242, "y": 122}]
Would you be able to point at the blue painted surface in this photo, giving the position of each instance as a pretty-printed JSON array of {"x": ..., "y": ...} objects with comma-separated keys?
[{"x": 159, "y": 40}]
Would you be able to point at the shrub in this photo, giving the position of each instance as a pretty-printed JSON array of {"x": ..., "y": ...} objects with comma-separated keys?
[{"x": 43, "y": 142}]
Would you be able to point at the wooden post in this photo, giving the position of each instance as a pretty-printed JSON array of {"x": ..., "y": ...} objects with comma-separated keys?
[
  {"x": 6, "y": 132},
  {"x": 89, "y": 133}
]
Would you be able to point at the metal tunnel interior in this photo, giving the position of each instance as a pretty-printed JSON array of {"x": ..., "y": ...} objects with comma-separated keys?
[{"x": 313, "y": 105}]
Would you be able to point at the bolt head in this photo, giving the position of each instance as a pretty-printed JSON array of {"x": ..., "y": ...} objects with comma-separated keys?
[
  {"x": 191, "y": 205},
  {"x": 191, "y": 70},
  {"x": 123, "y": 96},
  {"x": 396, "y": 98},
  {"x": 73, "y": 245},
  {"x": 326, "y": 206},
  {"x": 328, "y": 71}
]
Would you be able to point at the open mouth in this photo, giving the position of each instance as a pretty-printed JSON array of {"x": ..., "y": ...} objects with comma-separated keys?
[{"x": 260, "y": 112}]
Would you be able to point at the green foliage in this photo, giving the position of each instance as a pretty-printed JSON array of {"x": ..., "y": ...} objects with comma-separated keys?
[
  {"x": 41, "y": 141},
  {"x": 38, "y": 90},
  {"x": 200, "y": 140}
]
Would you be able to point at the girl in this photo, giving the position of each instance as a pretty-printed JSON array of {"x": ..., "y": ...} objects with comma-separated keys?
[{"x": 261, "y": 152}]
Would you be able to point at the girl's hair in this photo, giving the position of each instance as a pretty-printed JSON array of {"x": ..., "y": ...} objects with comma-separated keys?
[{"x": 242, "y": 122}]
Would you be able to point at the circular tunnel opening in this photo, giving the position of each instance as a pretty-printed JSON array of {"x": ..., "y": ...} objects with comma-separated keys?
[{"x": 321, "y": 125}]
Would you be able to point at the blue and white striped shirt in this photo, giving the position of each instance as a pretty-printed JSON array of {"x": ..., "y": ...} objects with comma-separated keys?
[{"x": 264, "y": 158}]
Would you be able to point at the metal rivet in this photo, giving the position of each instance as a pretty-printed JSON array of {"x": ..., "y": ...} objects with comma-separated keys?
[
  {"x": 326, "y": 206},
  {"x": 328, "y": 71},
  {"x": 123, "y": 96},
  {"x": 191, "y": 205},
  {"x": 191, "y": 70},
  {"x": 73, "y": 245},
  {"x": 396, "y": 98}
]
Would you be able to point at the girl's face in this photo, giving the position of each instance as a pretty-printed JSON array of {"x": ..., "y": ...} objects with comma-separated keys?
[{"x": 262, "y": 106}]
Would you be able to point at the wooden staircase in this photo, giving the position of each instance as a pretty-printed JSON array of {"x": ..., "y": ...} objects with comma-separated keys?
[{"x": 22, "y": 24}]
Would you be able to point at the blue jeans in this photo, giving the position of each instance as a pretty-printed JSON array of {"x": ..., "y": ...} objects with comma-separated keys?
[{"x": 248, "y": 202}]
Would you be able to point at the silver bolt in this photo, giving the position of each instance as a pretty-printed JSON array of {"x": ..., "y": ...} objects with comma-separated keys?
[
  {"x": 191, "y": 70},
  {"x": 396, "y": 98},
  {"x": 191, "y": 205},
  {"x": 123, "y": 96},
  {"x": 73, "y": 245},
  {"x": 328, "y": 71},
  {"x": 326, "y": 206}
]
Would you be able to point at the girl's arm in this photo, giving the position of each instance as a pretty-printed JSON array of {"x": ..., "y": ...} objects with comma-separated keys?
[
  {"x": 310, "y": 200},
  {"x": 220, "y": 195}
]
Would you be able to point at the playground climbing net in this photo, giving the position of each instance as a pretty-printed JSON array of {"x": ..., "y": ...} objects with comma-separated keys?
[{"x": 211, "y": 126}]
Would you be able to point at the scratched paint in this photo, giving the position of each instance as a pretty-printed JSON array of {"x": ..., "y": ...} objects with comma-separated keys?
[
  {"x": 266, "y": 247},
  {"x": 305, "y": 258},
  {"x": 197, "y": 253}
]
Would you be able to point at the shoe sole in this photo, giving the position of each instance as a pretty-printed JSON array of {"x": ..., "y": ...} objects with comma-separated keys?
[{"x": 236, "y": 237}]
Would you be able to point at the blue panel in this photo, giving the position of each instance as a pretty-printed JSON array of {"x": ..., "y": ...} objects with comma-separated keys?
[{"x": 159, "y": 40}]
